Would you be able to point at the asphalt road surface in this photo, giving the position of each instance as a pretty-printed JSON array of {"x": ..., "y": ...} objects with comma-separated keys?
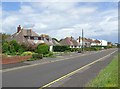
[{"x": 40, "y": 75}]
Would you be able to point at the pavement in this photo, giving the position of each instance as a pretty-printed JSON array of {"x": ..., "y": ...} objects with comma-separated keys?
[{"x": 50, "y": 74}]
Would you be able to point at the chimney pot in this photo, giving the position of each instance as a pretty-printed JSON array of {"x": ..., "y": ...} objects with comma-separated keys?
[{"x": 18, "y": 28}]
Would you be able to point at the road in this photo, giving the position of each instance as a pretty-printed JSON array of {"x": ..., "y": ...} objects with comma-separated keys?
[{"x": 40, "y": 75}]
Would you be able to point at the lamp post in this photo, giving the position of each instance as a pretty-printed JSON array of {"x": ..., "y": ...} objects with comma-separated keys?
[{"x": 82, "y": 41}]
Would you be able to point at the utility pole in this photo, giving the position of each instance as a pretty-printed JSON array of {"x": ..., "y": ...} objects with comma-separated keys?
[{"x": 82, "y": 42}]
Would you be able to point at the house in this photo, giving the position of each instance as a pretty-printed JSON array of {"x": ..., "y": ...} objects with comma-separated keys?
[
  {"x": 103, "y": 43},
  {"x": 49, "y": 41},
  {"x": 30, "y": 38},
  {"x": 69, "y": 41},
  {"x": 109, "y": 44},
  {"x": 95, "y": 42},
  {"x": 25, "y": 36},
  {"x": 85, "y": 42}
]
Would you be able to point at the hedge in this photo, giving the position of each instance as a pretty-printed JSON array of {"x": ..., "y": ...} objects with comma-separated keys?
[
  {"x": 37, "y": 56},
  {"x": 60, "y": 48}
]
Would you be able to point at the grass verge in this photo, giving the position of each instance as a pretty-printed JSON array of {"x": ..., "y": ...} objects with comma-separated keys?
[{"x": 108, "y": 77}]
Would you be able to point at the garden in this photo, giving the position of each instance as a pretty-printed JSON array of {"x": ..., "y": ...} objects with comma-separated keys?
[{"x": 12, "y": 48}]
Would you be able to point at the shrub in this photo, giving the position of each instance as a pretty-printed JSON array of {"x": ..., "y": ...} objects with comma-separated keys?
[
  {"x": 37, "y": 56},
  {"x": 5, "y": 47},
  {"x": 12, "y": 48},
  {"x": 26, "y": 53},
  {"x": 42, "y": 49},
  {"x": 50, "y": 54},
  {"x": 74, "y": 49},
  {"x": 94, "y": 48},
  {"x": 87, "y": 49},
  {"x": 60, "y": 48},
  {"x": 66, "y": 51}
]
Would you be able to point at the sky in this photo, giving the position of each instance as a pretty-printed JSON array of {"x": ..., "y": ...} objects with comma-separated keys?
[{"x": 99, "y": 20}]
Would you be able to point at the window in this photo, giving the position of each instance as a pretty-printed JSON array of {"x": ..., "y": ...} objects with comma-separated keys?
[
  {"x": 32, "y": 38},
  {"x": 39, "y": 38},
  {"x": 35, "y": 38},
  {"x": 47, "y": 39}
]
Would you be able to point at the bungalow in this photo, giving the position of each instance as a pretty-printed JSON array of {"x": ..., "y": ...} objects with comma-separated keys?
[
  {"x": 103, "y": 43},
  {"x": 49, "y": 41},
  {"x": 30, "y": 38},
  {"x": 95, "y": 42},
  {"x": 86, "y": 42},
  {"x": 109, "y": 44},
  {"x": 69, "y": 41},
  {"x": 25, "y": 36}
]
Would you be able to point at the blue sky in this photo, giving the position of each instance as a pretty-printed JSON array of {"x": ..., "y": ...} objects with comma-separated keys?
[
  {"x": 11, "y": 6},
  {"x": 98, "y": 19}
]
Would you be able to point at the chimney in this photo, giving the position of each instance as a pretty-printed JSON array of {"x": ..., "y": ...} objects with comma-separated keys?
[
  {"x": 71, "y": 38},
  {"x": 18, "y": 28},
  {"x": 79, "y": 39}
]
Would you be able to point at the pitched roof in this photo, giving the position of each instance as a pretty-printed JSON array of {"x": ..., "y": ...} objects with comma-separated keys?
[
  {"x": 55, "y": 42},
  {"x": 97, "y": 41},
  {"x": 29, "y": 32},
  {"x": 75, "y": 42},
  {"x": 90, "y": 40},
  {"x": 69, "y": 41},
  {"x": 66, "y": 41}
]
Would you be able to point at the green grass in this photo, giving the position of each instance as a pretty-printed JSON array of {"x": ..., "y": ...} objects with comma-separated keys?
[{"x": 108, "y": 77}]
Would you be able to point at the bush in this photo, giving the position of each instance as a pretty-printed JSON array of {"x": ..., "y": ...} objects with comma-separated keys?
[
  {"x": 5, "y": 47},
  {"x": 42, "y": 49},
  {"x": 66, "y": 51},
  {"x": 26, "y": 53},
  {"x": 74, "y": 49},
  {"x": 60, "y": 48},
  {"x": 50, "y": 54},
  {"x": 37, "y": 56},
  {"x": 92, "y": 48},
  {"x": 12, "y": 48}
]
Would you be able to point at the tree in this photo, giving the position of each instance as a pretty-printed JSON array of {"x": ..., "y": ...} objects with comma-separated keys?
[
  {"x": 42, "y": 49},
  {"x": 5, "y": 47},
  {"x": 12, "y": 47},
  {"x": 4, "y": 36},
  {"x": 15, "y": 45}
]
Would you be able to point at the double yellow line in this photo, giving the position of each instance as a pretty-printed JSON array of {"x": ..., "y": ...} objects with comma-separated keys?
[{"x": 71, "y": 73}]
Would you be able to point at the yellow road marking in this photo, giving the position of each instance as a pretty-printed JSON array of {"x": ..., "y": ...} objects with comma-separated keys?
[{"x": 71, "y": 73}]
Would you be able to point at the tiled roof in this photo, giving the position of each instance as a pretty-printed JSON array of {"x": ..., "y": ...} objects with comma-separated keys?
[
  {"x": 68, "y": 41},
  {"x": 97, "y": 41},
  {"x": 55, "y": 42},
  {"x": 29, "y": 32},
  {"x": 75, "y": 42}
]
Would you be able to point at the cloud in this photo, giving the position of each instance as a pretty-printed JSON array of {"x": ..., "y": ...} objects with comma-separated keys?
[{"x": 63, "y": 19}]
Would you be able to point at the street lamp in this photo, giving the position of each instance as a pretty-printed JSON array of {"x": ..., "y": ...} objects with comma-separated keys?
[{"x": 82, "y": 41}]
